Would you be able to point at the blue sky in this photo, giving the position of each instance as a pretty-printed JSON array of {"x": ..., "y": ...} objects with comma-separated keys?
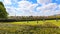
[{"x": 32, "y": 7}]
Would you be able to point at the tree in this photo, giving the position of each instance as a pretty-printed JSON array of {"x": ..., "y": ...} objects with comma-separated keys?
[{"x": 3, "y": 13}]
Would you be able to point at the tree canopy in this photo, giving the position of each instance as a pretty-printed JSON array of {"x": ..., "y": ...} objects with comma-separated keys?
[{"x": 3, "y": 12}]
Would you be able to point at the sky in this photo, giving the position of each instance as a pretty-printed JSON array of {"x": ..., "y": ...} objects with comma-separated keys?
[{"x": 32, "y": 7}]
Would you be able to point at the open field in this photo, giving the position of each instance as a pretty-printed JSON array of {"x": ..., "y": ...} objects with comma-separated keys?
[
  {"x": 32, "y": 27},
  {"x": 34, "y": 22}
]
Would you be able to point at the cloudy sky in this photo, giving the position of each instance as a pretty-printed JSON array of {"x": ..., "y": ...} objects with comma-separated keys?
[{"x": 32, "y": 7}]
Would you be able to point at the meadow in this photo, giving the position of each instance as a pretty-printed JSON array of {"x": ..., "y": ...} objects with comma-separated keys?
[
  {"x": 35, "y": 22},
  {"x": 30, "y": 27}
]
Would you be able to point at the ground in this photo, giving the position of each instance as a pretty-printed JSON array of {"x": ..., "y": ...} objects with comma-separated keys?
[{"x": 32, "y": 27}]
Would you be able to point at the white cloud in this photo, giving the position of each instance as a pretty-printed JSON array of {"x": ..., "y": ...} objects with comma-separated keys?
[
  {"x": 51, "y": 6},
  {"x": 24, "y": 4},
  {"x": 27, "y": 7},
  {"x": 7, "y": 2},
  {"x": 11, "y": 10},
  {"x": 1, "y": 0},
  {"x": 49, "y": 9},
  {"x": 43, "y": 2},
  {"x": 59, "y": 6},
  {"x": 24, "y": 8}
]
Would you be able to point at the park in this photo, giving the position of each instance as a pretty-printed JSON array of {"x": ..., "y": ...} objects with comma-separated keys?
[{"x": 28, "y": 24}]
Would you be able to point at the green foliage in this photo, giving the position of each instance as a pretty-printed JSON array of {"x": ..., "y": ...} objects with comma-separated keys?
[
  {"x": 1, "y": 4},
  {"x": 3, "y": 13}
]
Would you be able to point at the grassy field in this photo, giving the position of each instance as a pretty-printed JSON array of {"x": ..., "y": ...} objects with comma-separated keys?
[
  {"x": 35, "y": 22},
  {"x": 32, "y": 27}
]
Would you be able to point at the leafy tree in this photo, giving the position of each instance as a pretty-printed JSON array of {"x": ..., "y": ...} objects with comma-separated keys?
[
  {"x": 3, "y": 13},
  {"x": 1, "y": 4}
]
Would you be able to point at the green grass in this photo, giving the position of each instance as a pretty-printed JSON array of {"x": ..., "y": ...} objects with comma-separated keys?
[
  {"x": 54, "y": 22},
  {"x": 16, "y": 27},
  {"x": 35, "y": 22}
]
